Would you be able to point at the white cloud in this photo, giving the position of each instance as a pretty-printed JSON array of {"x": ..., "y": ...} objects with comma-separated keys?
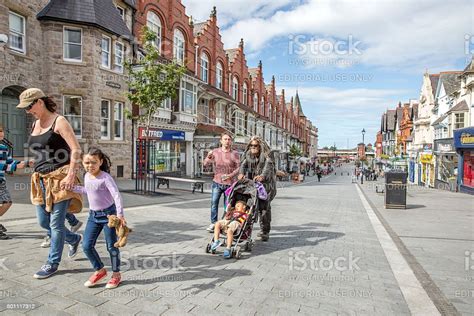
[
  {"x": 342, "y": 113},
  {"x": 230, "y": 11},
  {"x": 401, "y": 34}
]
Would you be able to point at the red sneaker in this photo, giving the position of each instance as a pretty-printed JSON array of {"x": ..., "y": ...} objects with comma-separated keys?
[
  {"x": 95, "y": 278},
  {"x": 113, "y": 282}
]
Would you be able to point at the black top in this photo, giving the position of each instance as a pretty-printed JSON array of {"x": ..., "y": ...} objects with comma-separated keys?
[{"x": 49, "y": 150}]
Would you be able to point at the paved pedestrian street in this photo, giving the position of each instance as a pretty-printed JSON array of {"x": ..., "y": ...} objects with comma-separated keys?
[{"x": 333, "y": 250}]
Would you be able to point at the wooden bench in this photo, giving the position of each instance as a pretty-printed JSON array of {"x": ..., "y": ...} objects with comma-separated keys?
[{"x": 196, "y": 184}]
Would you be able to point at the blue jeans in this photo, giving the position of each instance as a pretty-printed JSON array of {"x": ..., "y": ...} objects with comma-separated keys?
[
  {"x": 217, "y": 191},
  {"x": 95, "y": 223},
  {"x": 54, "y": 223},
  {"x": 71, "y": 219}
]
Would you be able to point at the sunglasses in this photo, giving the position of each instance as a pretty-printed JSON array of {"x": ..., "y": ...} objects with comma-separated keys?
[
  {"x": 30, "y": 105},
  {"x": 254, "y": 146}
]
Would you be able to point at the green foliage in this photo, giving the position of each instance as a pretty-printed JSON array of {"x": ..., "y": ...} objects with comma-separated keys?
[
  {"x": 151, "y": 80},
  {"x": 295, "y": 151}
]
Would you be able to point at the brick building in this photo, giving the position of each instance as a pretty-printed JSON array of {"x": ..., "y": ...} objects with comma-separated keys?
[{"x": 76, "y": 56}]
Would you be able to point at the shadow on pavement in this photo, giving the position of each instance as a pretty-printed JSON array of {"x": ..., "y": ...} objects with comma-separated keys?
[
  {"x": 184, "y": 267},
  {"x": 161, "y": 232},
  {"x": 287, "y": 237},
  {"x": 413, "y": 206}
]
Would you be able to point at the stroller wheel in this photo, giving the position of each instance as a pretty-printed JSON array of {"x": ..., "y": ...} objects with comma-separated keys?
[
  {"x": 208, "y": 248},
  {"x": 248, "y": 246},
  {"x": 237, "y": 252}
]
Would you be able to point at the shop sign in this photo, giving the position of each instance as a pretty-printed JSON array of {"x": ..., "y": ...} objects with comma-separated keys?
[
  {"x": 427, "y": 147},
  {"x": 445, "y": 147},
  {"x": 113, "y": 84},
  {"x": 467, "y": 138},
  {"x": 426, "y": 158},
  {"x": 464, "y": 138},
  {"x": 160, "y": 134}
]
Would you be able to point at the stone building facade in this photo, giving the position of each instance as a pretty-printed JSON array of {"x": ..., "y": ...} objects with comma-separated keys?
[{"x": 78, "y": 61}]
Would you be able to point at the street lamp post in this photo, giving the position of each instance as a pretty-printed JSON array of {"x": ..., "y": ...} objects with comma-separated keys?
[{"x": 361, "y": 161}]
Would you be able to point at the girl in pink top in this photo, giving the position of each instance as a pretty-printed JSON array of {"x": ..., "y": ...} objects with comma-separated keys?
[{"x": 104, "y": 200}]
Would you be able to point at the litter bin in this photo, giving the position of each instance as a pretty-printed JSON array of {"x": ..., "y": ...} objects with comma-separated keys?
[{"x": 396, "y": 189}]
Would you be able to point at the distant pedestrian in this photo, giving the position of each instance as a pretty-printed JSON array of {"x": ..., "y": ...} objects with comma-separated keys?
[
  {"x": 319, "y": 173},
  {"x": 226, "y": 162},
  {"x": 104, "y": 201},
  {"x": 56, "y": 154},
  {"x": 9, "y": 165}
]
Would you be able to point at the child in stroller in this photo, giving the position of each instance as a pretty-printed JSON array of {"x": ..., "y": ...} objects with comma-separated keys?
[{"x": 238, "y": 220}]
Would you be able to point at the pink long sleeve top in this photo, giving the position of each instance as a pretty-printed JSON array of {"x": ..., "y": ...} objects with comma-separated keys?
[{"x": 101, "y": 192}]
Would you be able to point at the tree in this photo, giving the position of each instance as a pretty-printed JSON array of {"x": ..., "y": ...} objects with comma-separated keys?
[
  {"x": 295, "y": 151},
  {"x": 152, "y": 81},
  {"x": 333, "y": 148}
]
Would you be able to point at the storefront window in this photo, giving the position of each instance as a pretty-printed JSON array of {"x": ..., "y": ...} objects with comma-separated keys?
[
  {"x": 468, "y": 177},
  {"x": 446, "y": 166},
  {"x": 166, "y": 157}
]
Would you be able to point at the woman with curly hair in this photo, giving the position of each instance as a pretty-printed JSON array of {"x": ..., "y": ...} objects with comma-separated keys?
[{"x": 258, "y": 164}]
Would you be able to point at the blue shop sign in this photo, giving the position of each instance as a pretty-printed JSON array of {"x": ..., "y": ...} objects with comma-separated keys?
[
  {"x": 161, "y": 134},
  {"x": 464, "y": 138}
]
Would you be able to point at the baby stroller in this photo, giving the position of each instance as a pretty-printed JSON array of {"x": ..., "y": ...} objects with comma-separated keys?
[{"x": 242, "y": 190}]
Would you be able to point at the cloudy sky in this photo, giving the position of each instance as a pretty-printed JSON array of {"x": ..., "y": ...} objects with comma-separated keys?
[{"x": 349, "y": 60}]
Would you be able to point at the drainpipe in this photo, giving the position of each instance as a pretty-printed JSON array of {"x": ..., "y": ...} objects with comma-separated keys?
[{"x": 196, "y": 47}]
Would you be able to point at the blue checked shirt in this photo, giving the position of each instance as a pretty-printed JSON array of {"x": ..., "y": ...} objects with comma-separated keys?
[{"x": 7, "y": 164}]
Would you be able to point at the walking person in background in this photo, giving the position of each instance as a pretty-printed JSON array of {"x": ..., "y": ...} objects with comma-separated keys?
[
  {"x": 7, "y": 164},
  {"x": 56, "y": 154},
  {"x": 226, "y": 164},
  {"x": 319, "y": 173}
]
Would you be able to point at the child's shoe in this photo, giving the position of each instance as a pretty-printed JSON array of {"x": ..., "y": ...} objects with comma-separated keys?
[
  {"x": 46, "y": 242},
  {"x": 216, "y": 244},
  {"x": 76, "y": 227},
  {"x": 73, "y": 248},
  {"x": 95, "y": 278},
  {"x": 227, "y": 253},
  {"x": 4, "y": 236},
  {"x": 113, "y": 282},
  {"x": 2, "y": 229}
]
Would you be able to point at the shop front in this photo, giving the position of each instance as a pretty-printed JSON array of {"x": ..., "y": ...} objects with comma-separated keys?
[
  {"x": 427, "y": 170},
  {"x": 464, "y": 145},
  {"x": 446, "y": 164},
  {"x": 411, "y": 170},
  {"x": 166, "y": 151}
]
